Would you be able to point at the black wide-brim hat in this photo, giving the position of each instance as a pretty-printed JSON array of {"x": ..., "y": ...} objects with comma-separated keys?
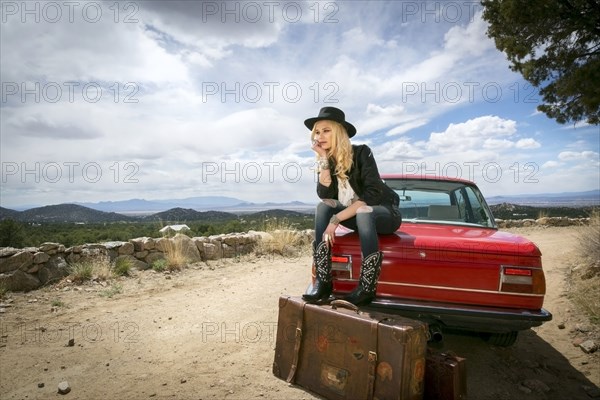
[{"x": 332, "y": 114}]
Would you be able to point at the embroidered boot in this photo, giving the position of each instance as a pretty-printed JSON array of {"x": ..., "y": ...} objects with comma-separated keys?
[
  {"x": 323, "y": 285},
  {"x": 367, "y": 283}
]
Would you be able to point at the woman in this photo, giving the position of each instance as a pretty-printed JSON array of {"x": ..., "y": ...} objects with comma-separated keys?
[{"x": 353, "y": 195}]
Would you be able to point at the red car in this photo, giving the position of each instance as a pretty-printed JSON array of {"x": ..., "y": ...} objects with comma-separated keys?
[{"x": 449, "y": 265}]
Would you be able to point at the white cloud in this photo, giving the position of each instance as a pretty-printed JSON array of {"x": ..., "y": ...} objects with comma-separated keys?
[
  {"x": 551, "y": 164},
  {"x": 471, "y": 134},
  {"x": 365, "y": 62},
  {"x": 578, "y": 155},
  {"x": 527, "y": 143},
  {"x": 497, "y": 144}
]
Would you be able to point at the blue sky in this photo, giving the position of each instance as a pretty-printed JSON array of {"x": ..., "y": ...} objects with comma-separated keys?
[{"x": 153, "y": 99}]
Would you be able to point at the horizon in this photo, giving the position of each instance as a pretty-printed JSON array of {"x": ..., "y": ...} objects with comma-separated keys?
[
  {"x": 209, "y": 98},
  {"x": 560, "y": 199}
]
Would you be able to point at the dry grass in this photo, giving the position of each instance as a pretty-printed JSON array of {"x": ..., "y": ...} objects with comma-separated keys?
[
  {"x": 91, "y": 269},
  {"x": 175, "y": 254},
  {"x": 585, "y": 278},
  {"x": 282, "y": 238}
]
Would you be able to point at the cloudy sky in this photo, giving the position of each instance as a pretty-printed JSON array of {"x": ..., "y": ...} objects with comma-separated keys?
[{"x": 154, "y": 99}]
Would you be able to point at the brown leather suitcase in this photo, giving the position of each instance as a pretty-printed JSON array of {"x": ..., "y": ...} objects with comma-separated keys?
[
  {"x": 340, "y": 352},
  {"x": 445, "y": 376}
]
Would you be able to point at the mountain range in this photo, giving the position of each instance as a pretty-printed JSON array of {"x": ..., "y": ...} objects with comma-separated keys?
[
  {"x": 575, "y": 199},
  {"x": 75, "y": 213},
  {"x": 220, "y": 208}
]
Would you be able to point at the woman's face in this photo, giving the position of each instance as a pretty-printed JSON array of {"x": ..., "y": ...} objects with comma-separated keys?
[{"x": 323, "y": 134}]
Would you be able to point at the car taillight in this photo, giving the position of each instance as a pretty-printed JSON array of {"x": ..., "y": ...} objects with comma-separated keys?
[
  {"x": 522, "y": 280},
  {"x": 341, "y": 267}
]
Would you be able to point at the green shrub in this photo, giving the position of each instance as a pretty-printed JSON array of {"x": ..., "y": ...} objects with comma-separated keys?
[
  {"x": 159, "y": 265},
  {"x": 122, "y": 266},
  {"x": 111, "y": 291},
  {"x": 81, "y": 271}
]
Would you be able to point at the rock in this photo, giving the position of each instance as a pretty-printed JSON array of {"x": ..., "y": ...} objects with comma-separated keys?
[
  {"x": 18, "y": 280},
  {"x": 143, "y": 243},
  {"x": 8, "y": 251},
  {"x": 211, "y": 251},
  {"x": 41, "y": 385},
  {"x": 186, "y": 246},
  {"x": 126, "y": 249},
  {"x": 53, "y": 270},
  {"x": 40, "y": 257},
  {"x": 154, "y": 256},
  {"x": 583, "y": 328},
  {"x": 140, "y": 255},
  {"x": 161, "y": 244},
  {"x": 21, "y": 260},
  {"x": 64, "y": 388},
  {"x": 134, "y": 262},
  {"x": 49, "y": 247},
  {"x": 113, "y": 245},
  {"x": 71, "y": 342},
  {"x": 589, "y": 346}
]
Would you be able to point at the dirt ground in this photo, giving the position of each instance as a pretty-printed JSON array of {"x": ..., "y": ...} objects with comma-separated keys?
[{"x": 208, "y": 332}]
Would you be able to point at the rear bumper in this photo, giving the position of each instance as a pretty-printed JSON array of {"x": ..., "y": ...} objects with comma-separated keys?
[{"x": 464, "y": 317}]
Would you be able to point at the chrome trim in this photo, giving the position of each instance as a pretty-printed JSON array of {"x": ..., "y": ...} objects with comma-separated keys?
[
  {"x": 347, "y": 267},
  {"x": 502, "y": 274},
  {"x": 461, "y": 289}
]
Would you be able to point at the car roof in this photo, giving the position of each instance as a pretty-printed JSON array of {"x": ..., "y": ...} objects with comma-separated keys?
[{"x": 427, "y": 178}]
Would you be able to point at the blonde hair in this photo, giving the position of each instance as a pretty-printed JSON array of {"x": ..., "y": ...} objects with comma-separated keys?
[{"x": 341, "y": 149}]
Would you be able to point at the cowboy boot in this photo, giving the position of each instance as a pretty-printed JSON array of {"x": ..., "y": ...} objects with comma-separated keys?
[
  {"x": 323, "y": 285},
  {"x": 367, "y": 283}
]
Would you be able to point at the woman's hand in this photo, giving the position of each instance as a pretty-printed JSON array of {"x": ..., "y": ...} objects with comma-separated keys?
[
  {"x": 316, "y": 147},
  {"x": 329, "y": 234}
]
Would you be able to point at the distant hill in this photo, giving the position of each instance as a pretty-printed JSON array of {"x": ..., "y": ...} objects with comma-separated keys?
[
  {"x": 571, "y": 199},
  {"x": 187, "y": 214},
  {"x": 517, "y": 211},
  {"x": 6, "y": 213},
  {"x": 202, "y": 203},
  {"x": 276, "y": 213},
  {"x": 63, "y": 213},
  {"x": 73, "y": 213}
]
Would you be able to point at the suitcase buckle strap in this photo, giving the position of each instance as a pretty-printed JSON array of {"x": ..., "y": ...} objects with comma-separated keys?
[{"x": 297, "y": 344}]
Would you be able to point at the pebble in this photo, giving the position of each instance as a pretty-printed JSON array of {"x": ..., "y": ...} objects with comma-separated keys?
[
  {"x": 577, "y": 341},
  {"x": 582, "y": 328},
  {"x": 589, "y": 346},
  {"x": 64, "y": 388}
]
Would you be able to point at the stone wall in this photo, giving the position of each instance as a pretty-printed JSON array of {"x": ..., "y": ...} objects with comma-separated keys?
[
  {"x": 32, "y": 267},
  {"x": 542, "y": 222}
]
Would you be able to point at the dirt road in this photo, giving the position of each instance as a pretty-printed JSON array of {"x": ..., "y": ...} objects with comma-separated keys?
[{"x": 208, "y": 332}]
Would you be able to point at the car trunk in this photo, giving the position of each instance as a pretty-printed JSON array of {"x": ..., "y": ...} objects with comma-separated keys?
[{"x": 449, "y": 263}]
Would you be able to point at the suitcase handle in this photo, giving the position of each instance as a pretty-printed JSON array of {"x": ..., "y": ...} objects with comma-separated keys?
[{"x": 344, "y": 304}]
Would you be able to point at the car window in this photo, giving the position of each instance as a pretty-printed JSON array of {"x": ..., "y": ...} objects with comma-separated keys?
[
  {"x": 441, "y": 202},
  {"x": 480, "y": 212}
]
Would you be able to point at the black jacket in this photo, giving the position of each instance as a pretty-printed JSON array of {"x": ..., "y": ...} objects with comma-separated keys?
[{"x": 364, "y": 179}]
